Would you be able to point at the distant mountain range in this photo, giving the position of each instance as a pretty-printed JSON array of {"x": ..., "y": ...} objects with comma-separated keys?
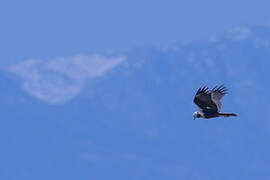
[{"x": 129, "y": 115}]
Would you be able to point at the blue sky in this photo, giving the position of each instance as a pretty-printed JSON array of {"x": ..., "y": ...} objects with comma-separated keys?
[
  {"x": 100, "y": 90},
  {"x": 46, "y": 29}
]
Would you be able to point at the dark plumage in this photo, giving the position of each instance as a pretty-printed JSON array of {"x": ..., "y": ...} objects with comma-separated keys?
[{"x": 209, "y": 102}]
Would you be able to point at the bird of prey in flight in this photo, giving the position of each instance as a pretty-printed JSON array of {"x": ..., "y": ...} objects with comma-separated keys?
[{"x": 209, "y": 102}]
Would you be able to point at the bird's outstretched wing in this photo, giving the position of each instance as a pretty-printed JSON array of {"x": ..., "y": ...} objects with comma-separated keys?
[
  {"x": 217, "y": 94},
  {"x": 203, "y": 99}
]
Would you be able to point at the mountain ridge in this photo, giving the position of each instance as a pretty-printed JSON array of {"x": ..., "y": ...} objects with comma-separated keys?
[{"x": 135, "y": 121}]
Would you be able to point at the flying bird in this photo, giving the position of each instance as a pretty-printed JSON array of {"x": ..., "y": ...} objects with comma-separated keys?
[{"x": 209, "y": 102}]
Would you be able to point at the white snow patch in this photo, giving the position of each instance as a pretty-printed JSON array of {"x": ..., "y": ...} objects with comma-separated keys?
[
  {"x": 60, "y": 79},
  {"x": 239, "y": 33}
]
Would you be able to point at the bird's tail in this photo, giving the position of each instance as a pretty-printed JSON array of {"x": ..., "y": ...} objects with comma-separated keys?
[{"x": 226, "y": 114}]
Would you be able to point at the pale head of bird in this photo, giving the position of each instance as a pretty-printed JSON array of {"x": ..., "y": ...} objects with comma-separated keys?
[{"x": 197, "y": 114}]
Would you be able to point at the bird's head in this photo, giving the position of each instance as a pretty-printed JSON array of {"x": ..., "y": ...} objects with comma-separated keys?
[{"x": 197, "y": 114}]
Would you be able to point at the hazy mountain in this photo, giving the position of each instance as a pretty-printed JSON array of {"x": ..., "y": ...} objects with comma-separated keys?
[{"x": 129, "y": 116}]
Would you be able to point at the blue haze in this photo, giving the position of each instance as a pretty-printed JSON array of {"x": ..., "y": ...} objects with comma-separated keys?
[
  {"x": 136, "y": 122},
  {"x": 130, "y": 115}
]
